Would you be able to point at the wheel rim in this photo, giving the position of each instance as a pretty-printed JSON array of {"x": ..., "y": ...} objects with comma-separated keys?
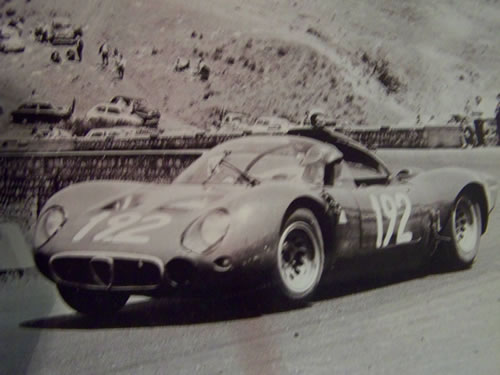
[
  {"x": 299, "y": 258},
  {"x": 465, "y": 227}
]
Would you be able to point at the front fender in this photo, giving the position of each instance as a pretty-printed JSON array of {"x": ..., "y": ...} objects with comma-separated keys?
[
  {"x": 83, "y": 195},
  {"x": 257, "y": 217}
]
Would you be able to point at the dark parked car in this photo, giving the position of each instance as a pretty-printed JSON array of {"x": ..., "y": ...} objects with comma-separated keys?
[{"x": 39, "y": 111}]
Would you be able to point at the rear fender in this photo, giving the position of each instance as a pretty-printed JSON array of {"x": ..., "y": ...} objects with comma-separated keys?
[
  {"x": 455, "y": 181},
  {"x": 476, "y": 192}
]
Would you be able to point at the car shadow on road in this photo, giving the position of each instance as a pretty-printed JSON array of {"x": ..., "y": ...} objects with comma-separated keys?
[
  {"x": 175, "y": 312},
  {"x": 170, "y": 312},
  {"x": 338, "y": 289}
]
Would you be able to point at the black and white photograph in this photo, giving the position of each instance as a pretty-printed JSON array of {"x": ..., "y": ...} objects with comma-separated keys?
[{"x": 249, "y": 187}]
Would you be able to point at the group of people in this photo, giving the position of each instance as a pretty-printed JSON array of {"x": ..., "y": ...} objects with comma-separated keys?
[
  {"x": 71, "y": 54},
  {"x": 119, "y": 60},
  {"x": 477, "y": 130}
]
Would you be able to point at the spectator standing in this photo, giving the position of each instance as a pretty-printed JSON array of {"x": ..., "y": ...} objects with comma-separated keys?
[
  {"x": 305, "y": 120},
  {"x": 104, "y": 52},
  {"x": 79, "y": 48},
  {"x": 120, "y": 63},
  {"x": 497, "y": 119},
  {"x": 478, "y": 121}
]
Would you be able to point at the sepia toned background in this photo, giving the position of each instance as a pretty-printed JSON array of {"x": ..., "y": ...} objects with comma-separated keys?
[{"x": 404, "y": 74}]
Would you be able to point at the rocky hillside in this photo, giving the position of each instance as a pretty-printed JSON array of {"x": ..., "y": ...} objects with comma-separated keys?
[{"x": 374, "y": 62}]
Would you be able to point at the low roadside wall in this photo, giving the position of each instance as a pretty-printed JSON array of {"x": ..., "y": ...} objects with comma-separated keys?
[
  {"x": 444, "y": 136},
  {"x": 372, "y": 137},
  {"x": 29, "y": 179},
  {"x": 34, "y": 170}
]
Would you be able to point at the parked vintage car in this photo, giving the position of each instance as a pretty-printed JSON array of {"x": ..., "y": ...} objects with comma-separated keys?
[
  {"x": 122, "y": 132},
  {"x": 272, "y": 124},
  {"x": 52, "y": 133},
  {"x": 106, "y": 115},
  {"x": 235, "y": 122},
  {"x": 62, "y": 32},
  {"x": 41, "y": 111},
  {"x": 291, "y": 211},
  {"x": 10, "y": 40},
  {"x": 139, "y": 107}
]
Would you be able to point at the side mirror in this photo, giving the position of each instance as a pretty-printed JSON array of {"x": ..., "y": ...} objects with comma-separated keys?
[{"x": 405, "y": 173}]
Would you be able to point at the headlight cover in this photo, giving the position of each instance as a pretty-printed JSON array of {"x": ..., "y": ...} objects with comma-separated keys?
[
  {"x": 204, "y": 233},
  {"x": 48, "y": 225}
]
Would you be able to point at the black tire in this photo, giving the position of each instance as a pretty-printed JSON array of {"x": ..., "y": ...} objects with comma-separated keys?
[
  {"x": 300, "y": 256},
  {"x": 92, "y": 302},
  {"x": 464, "y": 230}
]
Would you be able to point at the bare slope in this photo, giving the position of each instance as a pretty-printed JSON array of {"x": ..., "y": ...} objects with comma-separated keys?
[{"x": 368, "y": 62}]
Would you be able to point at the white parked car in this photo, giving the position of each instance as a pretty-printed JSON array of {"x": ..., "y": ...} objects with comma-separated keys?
[
  {"x": 139, "y": 107},
  {"x": 272, "y": 124},
  {"x": 235, "y": 122},
  {"x": 10, "y": 40},
  {"x": 122, "y": 132},
  {"x": 107, "y": 115},
  {"x": 62, "y": 32}
]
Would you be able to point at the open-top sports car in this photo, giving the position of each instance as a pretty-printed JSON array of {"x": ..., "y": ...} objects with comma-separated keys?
[{"x": 289, "y": 211}]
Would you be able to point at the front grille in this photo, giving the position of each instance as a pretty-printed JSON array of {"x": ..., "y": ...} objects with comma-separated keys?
[
  {"x": 108, "y": 271},
  {"x": 136, "y": 273},
  {"x": 75, "y": 270}
]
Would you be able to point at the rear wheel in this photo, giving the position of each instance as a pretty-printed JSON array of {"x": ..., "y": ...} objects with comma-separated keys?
[
  {"x": 92, "y": 302},
  {"x": 464, "y": 230},
  {"x": 300, "y": 256}
]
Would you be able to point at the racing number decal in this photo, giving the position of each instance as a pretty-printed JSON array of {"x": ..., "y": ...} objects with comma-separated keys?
[
  {"x": 388, "y": 206},
  {"x": 122, "y": 228},
  {"x": 91, "y": 224},
  {"x": 148, "y": 223}
]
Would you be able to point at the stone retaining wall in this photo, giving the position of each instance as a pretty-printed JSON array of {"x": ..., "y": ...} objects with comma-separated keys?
[
  {"x": 372, "y": 137},
  {"x": 34, "y": 171},
  {"x": 28, "y": 180}
]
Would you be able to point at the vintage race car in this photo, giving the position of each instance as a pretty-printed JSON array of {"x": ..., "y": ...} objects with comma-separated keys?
[{"x": 288, "y": 212}]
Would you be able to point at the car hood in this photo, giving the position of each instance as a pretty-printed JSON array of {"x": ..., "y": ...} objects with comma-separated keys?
[{"x": 147, "y": 219}]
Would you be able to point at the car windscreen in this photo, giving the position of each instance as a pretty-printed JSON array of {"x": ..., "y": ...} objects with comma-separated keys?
[{"x": 264, "y": 161}]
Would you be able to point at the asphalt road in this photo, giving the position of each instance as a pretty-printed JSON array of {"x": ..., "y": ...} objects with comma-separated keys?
[{"x": 426, "y": 323}]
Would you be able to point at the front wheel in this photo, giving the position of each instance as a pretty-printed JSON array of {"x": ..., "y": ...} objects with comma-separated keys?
[
  {"x": 92, "y": 302},
  {"x": 464, "y": 230},
  {"x": 300, "y": 256}
]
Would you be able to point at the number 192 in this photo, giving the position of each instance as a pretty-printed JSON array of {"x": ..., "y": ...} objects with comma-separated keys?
[{"x": 387, "y": 206}]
